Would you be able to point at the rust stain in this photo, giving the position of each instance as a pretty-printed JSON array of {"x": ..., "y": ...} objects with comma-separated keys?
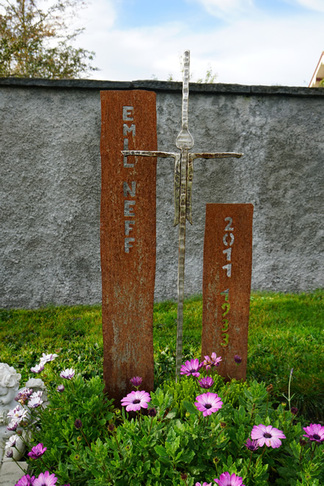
[
  {"x": 227, "y": 285},
  {"x": 127, "y": 238}
]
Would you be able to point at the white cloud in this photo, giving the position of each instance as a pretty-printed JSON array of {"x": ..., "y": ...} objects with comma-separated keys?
[
  {"x": 259, "y": 49},
  {"x": 137, "y": 53},
  {"x": 317, "y": 5},
  {"x": 227, "y": 8},
  {"x": 270, "y": 51},
  {"x": 98, "y": 15}
]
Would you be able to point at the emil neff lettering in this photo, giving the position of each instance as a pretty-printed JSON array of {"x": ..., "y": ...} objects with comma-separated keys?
[
  {"x": 128, "y": 116},
  {"x": 129, "y": 190},
  {"x": 127, "y": 113}
]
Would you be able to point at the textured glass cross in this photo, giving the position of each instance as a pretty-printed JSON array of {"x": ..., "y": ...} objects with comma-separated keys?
[{"x": 183, "y": 174}]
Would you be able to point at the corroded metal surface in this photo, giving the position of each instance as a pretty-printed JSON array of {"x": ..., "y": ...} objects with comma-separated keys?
[
  {"x": 128, "y": 238},
  {"x": 183, "y": 177},
  {"x": 227, "y": 285}
]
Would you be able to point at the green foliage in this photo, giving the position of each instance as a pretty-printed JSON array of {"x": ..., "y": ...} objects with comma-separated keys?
[
  {"x": 285, "y": 331},
  {"x": 114, "y": 447},
  {"x": 36, "y": 43},
  {"x": 210, "y": 77},
  {"x": 75, "y": 333},
  {"x": 81, "y": 400}
]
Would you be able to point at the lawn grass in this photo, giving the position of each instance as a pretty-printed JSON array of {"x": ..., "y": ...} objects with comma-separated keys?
[{"x": 285, "y": 331}]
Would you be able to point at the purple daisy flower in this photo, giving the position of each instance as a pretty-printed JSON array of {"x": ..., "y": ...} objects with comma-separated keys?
[
  {"x": 136, "y": 400},
  {"x": 17, "y": 414},
  {"x": 226, "y": 479},
  {"x": 46, "y": 358},
  {"x": 37, "y": 451},
  {"x": 268, "y": 435},
  {"x": 206, "y": 382},
  {"x": 191, "y": 367},
  {"x": 208, "y": 403},
  {"x": 11, "y": 442},
  {"x": 35, "y": 400},
  {"x": 26, "y": 481},
  {"x": 60, "y": 388},
  {"x": 314, "y": 432},
  {"x": 204, "y": 484},
  {"x": 37, "y": 369},
  {"x": 211, "y": 361},
  {"x": 252, "y": 445},
  {"x": 23, "y": 395},
  {"x": 136, "y": 381},
  {"x": 45, "y": 479},
  {"x": 67, "y": 374},
  {"x": 13, "y": 425}
]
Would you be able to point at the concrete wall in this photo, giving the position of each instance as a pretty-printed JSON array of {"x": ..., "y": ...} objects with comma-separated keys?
[{"x": 50, "y": 185}]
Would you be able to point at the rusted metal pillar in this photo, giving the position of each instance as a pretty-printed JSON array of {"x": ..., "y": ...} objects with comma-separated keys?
[
  {"x": 227, "y": 285},
  {"x": 128, "y": 238}
]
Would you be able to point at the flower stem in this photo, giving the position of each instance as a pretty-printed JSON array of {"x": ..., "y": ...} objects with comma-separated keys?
[
  {"x": 289, "y": 384},
  {"x": 85, "y": 438},
  {"x": 260, "y": 457},
  {"x": 150, "y": 428},
  {"x": 249, "y": 463}
]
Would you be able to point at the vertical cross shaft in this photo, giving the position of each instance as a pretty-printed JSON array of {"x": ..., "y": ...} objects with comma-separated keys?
[
  {"x": 183, "y": 173},
  {"x": 184, "y": 142}
]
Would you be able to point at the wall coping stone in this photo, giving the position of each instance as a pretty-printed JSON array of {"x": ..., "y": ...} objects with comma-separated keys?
[{"x": 167, "y": 86}]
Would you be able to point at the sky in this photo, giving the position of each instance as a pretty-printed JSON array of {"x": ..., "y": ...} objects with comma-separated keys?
[{"x": 251, "y": 42}]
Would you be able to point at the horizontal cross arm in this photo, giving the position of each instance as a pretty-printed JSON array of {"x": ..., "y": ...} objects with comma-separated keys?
[
  {"x": 216, "y": 155},
  {"x": 147, "y": 153}
]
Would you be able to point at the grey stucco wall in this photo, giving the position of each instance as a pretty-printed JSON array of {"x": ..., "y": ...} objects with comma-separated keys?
[{"x": 50, "y": 185}]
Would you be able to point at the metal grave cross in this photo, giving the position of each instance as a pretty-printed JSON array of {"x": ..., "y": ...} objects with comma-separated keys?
[{"x": 183, "y": 175}]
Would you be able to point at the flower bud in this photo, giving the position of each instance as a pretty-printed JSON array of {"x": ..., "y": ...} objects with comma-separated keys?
[
  {"x": 152, "y": 412},
  {"x": 78, "y": 424},
  {"x": 136, "y": 381}
]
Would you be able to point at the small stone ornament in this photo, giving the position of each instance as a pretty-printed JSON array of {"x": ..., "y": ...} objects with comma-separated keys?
[{"x": 9, "y": 384}]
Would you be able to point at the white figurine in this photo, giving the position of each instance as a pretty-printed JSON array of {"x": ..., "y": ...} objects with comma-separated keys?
[{"x": 9, "y": 384}]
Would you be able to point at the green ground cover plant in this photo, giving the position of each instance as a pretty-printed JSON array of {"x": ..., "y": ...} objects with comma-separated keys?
[
  {"x": 197, "y": 432},
  {"x": 285, "y": 331}
]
